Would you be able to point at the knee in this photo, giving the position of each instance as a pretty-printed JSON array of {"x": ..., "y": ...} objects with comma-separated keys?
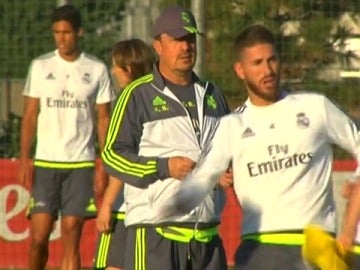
[
  {"x": 71, "y": 226},
  {"x": 39, "y": 241}
]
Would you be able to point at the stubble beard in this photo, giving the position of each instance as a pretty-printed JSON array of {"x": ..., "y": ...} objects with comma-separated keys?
[{"x": 267, "y": 94}]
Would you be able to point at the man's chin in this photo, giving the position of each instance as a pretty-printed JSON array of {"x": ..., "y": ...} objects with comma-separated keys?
[
  {"x": 271, "y": 92},
  {"x": 186, "y": 68}
]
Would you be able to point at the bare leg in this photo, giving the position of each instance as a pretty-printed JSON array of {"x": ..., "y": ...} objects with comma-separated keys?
[
  {"x": 41, "y": 226},
  {"x": 71, "y": 229}
]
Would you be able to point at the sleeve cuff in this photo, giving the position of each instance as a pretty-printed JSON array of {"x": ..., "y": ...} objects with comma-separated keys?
[{"x": 163, "y": 168}]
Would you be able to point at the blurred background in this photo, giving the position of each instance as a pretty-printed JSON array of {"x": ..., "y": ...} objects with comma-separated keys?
[{"x": 318, "y": 41}]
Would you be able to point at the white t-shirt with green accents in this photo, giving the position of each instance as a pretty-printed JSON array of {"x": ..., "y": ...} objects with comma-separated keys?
[
  {"x": 281, "y": 158},
  {"x": 68, "y": 93}
]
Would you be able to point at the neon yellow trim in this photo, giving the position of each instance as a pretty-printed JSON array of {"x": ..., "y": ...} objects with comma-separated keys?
[
  {"x": 185, "y": 235},
  {"x": 64, "y": 165},
  {"x": 356, "y": 249},
  {"x": 129, "y": 168},
  {"x": 109, "y": 156},
  {"x": 30, "y": 206},
  {"x": 140, "y": 249},
  {"x": 119, "y": 216},
  {"x": 114, "y": 125},
  {"x": 277, "y": 238},
  {"x": 191, "y": 29},
  {"x": 102, "y": 254}
]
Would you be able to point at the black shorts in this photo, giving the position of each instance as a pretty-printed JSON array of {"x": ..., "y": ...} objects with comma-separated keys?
[
  {"x": 146, "y": 249},
  {"x": 111, "y": 247},
  {"x": 253, "y": 255},
  {"x": 354, "y": 259},
  {"x": 66, "y": 191}
]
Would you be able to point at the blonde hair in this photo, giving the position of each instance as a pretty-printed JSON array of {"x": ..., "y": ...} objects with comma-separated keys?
[{"x": 133, "y": 53}]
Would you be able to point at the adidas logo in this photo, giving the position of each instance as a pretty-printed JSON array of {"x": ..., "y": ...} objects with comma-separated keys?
[
  {"x": 247, "y": 133},
  {"x": 160, "y": 105},
  {"x": 91, "y": 206},
  {"x": 158, "y": 101},
  {"x": 40, "y": 204},
  {"x": 50, "y": 76}
]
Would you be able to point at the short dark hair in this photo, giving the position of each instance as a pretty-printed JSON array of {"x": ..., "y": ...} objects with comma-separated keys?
[
  {"x": 68, "y": 13},
  {"x": 252, "y": 35}
]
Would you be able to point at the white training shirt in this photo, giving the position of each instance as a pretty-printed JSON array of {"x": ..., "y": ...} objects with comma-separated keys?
[
  {"x": 68, "y": 92},
  {"x": 281, "y": 157}
]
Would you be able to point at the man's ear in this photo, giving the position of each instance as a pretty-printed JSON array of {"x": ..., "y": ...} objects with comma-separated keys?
[
  {"x": 157, "y": 46},
  {"x": 239, "y": 70}
]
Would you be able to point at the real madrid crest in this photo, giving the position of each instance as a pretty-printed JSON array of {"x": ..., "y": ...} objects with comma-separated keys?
[
  {"x": 302, "y": 120},
  {"x": 86, "y": 79}
]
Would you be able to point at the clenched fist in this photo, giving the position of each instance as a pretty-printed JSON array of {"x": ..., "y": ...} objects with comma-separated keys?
[{"x": 179, "y": 167}]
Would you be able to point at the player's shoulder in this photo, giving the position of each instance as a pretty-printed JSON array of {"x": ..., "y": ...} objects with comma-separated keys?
[
  {"x": 45, "y": 57},
  {"x": 305, "y": 95},
  {"x": 240, "y": 109},
  {"x": 235, "y": 115},
  {"x": 93, "y": 59},
  {"x": 42, "y": 61},
  {"x": 141, "y": 85},
  {"x": 232, "y": 122},
  {"x": 305, "y": 98}
]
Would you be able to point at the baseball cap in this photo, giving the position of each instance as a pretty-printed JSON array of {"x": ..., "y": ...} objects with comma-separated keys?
[{"x": 176, "y": 22}]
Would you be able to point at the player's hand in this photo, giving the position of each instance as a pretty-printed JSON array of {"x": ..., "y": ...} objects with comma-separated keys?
[
  {"x": 345, "y": 241},
  {"x": 179, "y": 167},
  {"x": 103, "y": 218},
  {"x": 101, "y": 180},
  {"x": 226, "y": 180},
  {"x": 26, "y": 172},
  {"x": 320, "y": 249}
]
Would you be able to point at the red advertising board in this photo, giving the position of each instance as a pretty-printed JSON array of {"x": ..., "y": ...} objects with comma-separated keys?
[{"x": 14, "y": 227}]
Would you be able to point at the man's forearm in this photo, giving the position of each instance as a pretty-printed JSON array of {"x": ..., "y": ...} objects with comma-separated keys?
[
  {"x": 27, "y": 137},
  {"x": 351, "y": 216},
  {"x": 112, "y": 191}
]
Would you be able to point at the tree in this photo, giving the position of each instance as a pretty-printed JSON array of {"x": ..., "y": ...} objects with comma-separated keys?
[{"x": 26, "y": 31}]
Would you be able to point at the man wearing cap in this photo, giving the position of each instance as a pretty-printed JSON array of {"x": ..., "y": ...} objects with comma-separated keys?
[{"x": 159, "y": 125}]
